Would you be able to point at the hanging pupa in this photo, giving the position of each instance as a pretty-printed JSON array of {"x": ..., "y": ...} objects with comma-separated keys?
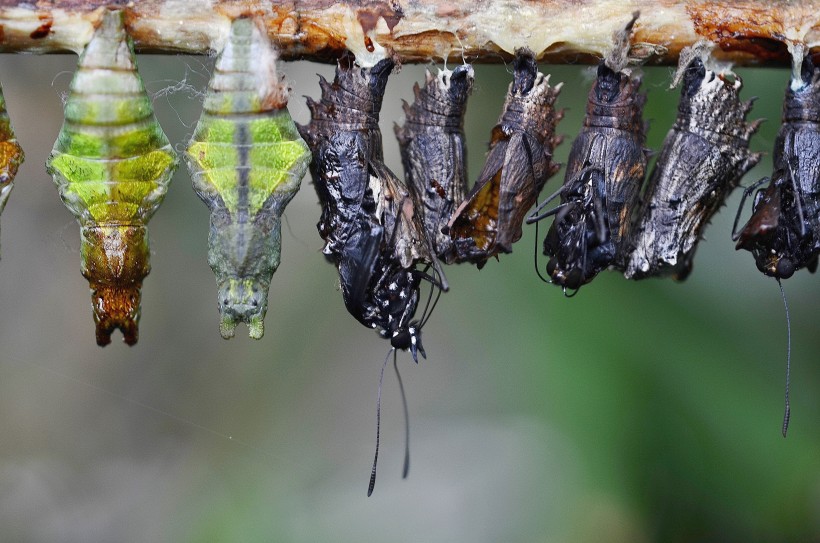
[
  {"x": 783, "y": 233},
  {"x": 518, "y": 165},
  {"x": 604, "y": 175},
  {"x": 11, "y": 154},
  {"x": 247, "y": 161},
  {"x": 433, "y": 150},
  {"x": 112, "y": 164},
  {"x": 704, "y": 155}
]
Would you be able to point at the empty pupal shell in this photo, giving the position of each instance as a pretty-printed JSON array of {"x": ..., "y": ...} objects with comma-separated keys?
[{"x": 112, "y": 164}]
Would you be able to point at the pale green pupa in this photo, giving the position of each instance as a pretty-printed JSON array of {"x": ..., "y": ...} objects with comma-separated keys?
[
  {"x": 112, "y": 164},
  {"x": 247, "y": 161}
]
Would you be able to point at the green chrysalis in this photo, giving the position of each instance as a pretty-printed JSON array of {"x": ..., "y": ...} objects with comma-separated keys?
[
  {"x": 112, "y": 164},
  {"x": 247, "y": 161},
  {"x": 11, "y": 154}
]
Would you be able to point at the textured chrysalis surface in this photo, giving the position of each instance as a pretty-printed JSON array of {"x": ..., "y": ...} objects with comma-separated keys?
[
  {"x": 369, "y": 223},
  {"x": 783, "y": 232},
  {"x": 518, "y": 165},
  {"x": 433, "y": 151},
  {"x": 704, "y": 155},
  {"x": 11, "y": 154},
  {"x": 112, "y": 164},
  {"x": 604, "y": 174},
  {"x": 247, "y": 161}
]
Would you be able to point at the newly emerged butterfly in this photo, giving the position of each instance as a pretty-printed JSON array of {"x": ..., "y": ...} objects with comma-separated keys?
[
  {"x": 369, "y": 222},
  {"x": 518, "y": 165},
  {"x": 11, "y": 154},
  {"x": 112, "y": 164},
  {"x": 372, "y": 231},
  {"x": 783, "y": 233},
  {"x": 704, "y": 155},
  {"x": 605, "y": 171},
  {"x": 432, "y": 146},
  {"x": 247, "y": 161}
]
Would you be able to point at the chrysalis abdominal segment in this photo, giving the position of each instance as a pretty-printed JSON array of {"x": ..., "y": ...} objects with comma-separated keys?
[
  {"x": 369, "y": 222},
  {"x": 247, "y": 161},
  {"x": 783, "y": 233},
  {"x": 703, "y": 158},
  {"x": 518, "y": 165},
  {"x": 112, "y": 164},
  {"x": 11, "y": 154},
  {"x": 433, "y": 151},
  {"x": 604, "y": 174}
]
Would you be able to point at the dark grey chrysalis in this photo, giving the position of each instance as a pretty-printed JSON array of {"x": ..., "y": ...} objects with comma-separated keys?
[
  {"x": 433, "y": 150},
  {"x": 703, "y": 158}
]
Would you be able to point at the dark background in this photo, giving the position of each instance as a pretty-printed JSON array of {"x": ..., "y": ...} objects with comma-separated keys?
[{"x": 632, "y": 412}]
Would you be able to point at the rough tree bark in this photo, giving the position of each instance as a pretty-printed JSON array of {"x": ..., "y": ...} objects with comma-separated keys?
[{"x": 746, "y": 31}]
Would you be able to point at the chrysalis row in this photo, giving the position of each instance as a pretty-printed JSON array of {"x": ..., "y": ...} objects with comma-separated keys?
[
  {"x": 518, "y": 165},
  {"x": 247, "y": 161},
  {"x": 703, "y": 157},
  {"x": 11, "y": 154},
  {"x": 112, "y": 164}
]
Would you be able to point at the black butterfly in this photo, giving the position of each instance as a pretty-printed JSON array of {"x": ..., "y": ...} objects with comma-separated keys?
[
  {"x": 369, "y": 222},
  {"x": 783, "y": 233},
  {"x": 605, "y": 171}
]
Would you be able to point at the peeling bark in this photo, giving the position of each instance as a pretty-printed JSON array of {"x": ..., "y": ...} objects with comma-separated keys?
[{"x": 747, "y": 32}]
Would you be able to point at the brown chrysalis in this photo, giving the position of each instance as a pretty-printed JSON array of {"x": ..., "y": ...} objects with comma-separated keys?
[{"x": 518, "y": 165}]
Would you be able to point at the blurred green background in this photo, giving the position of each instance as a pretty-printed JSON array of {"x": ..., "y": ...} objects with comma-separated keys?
[{"x": 633, "y": 412}]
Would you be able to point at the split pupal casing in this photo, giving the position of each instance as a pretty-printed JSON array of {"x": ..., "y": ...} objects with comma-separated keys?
[
  {"x": 246, "y": 160},
  {"x": 348, "y": 168},
  {"x": 783, "y": 233},
  {"x": 517, "y": 167},
  {"x": 605, "y": 171},
  {"x": 703, "y": 158},
  {"x": 371, "y": 230},
  {"x": 11, "y": 154},
  {"x": 112, "y": 164},
  {"x": 433, "y": 150}
]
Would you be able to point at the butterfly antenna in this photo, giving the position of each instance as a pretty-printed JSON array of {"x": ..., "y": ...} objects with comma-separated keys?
[
  {"x": 406, "y": 469},
  {"x": 535, "y": 256},
  {"x": 788, "y": 412},
  {"x": 378, "y": 424}
]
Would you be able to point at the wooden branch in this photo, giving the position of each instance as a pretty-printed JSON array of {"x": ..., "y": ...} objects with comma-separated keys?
[{"x": 559, "y": 31}]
